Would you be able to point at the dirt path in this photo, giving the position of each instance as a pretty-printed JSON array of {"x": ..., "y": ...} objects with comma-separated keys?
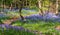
[{"x": 10, "y": 21}]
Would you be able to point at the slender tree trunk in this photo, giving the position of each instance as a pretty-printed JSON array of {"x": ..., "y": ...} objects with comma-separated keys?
[
  {"x": 29, "y": 4},
  {"x": 56, "y": 6},
  {"x": 26, "y": 3},
  {"x": 11, "y": 6},
  {"x": 3, "y": 5},
  {"x": 40, "y": 7},
  {"x": 23, "y": 4},
  {"x": 49, "y": 7},
  {"x": 20, "y": 9},
  {"x": 15, "y": 5}
]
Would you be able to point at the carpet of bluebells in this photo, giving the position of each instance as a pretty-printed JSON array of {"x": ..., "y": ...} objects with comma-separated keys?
[{"x": 34, "y": 24}]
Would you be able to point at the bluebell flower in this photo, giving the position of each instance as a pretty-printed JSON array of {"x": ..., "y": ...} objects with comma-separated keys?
[{"x": 34, "y": 17}]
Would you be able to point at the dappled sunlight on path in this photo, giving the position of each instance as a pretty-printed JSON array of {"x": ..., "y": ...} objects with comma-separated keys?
[{"x": 9, "y": 21}]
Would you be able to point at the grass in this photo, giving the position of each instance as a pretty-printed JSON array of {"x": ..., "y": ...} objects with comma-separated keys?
[
  {"x": 28, "y": 12},
  {"x": 44, "y": 27},
  {"x": 14, "y": 32}
]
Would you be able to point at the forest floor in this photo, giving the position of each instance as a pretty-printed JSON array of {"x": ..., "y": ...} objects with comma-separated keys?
[{"x": 42, "y": 27}]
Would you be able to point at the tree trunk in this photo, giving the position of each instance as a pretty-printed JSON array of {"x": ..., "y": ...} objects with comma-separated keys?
[
  {"x": 20, "y": 9},
  {"x": 29, "y": 4},
  {"x": 11, "y": 6},
  {"x": 56, "y": 6},
  {"x": 3, "y": 6},
  {"x": 40, "y": 7},
  {"x": 26, "y": 3}
]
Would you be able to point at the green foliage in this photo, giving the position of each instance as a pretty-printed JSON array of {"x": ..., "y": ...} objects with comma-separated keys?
[
  {"x": 44, "y": 27},
  {"x": 8, "y": 2},
  {"x": 45, "y": 4},
  {"x": 33, "y": 2},
  {"x": 29, "y": 12},
  {"x": 14, "y": 32},
  {"x": 34, "y": 8},
  {"x": 4, "y": 18}
]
